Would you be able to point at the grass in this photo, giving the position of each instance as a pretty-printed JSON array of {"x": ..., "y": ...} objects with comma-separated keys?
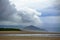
[{"x": 9, "y": 29}]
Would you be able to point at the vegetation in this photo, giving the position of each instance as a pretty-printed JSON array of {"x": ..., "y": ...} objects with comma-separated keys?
[{"x": 9, "y": 29}]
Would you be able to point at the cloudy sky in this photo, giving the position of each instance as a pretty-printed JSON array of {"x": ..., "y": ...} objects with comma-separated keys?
[{"x": 29, "y": 12}]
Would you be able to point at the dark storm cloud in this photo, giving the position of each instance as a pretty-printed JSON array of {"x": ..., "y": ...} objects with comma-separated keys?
[{"x": 6, "y": 9}]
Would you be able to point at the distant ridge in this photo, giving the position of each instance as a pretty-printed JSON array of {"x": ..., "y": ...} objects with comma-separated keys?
[{"x": 33, "y": 28}]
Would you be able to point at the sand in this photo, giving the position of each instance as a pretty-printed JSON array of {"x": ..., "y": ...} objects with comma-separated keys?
[{"x": 27, "y": 38}]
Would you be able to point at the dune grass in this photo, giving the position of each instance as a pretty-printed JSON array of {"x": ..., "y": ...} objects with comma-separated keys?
[{"x": 9, "y": 29}]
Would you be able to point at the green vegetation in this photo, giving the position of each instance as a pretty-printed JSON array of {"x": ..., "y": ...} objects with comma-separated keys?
[{"x": 9, "y": 29}]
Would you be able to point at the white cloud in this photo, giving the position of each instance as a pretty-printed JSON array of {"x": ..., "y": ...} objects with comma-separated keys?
[
  {"x": 51, "y": 19},
  {"x": 33, "y": 3}
]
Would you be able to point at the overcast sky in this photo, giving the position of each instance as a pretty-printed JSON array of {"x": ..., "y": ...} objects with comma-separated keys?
[{"x": 29, "y": 12}]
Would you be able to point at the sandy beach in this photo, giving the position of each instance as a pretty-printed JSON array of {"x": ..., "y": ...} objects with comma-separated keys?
[{"x": 26, "y": 37}]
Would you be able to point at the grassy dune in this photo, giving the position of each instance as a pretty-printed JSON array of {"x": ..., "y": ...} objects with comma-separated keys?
[{"x": 9, "y": 29}]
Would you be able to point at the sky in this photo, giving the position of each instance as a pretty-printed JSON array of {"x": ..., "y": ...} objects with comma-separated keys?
[
  {"x": 46, "y": 7},
  {"x": 29, "y": 12}
]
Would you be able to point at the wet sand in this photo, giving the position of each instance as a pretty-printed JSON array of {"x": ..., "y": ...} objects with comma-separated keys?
[{"x": 28, "y": 38}]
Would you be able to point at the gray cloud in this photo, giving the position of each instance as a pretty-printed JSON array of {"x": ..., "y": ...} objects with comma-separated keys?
[
  {"x": 25, "y": 16},
  {"x": 5, "y": 9}
]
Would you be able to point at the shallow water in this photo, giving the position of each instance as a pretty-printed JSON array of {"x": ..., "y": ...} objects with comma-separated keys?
[{"x": 35, "y": 35}]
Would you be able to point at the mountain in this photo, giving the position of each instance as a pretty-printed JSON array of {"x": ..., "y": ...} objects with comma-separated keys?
[{"x": 33, "y": 28}]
